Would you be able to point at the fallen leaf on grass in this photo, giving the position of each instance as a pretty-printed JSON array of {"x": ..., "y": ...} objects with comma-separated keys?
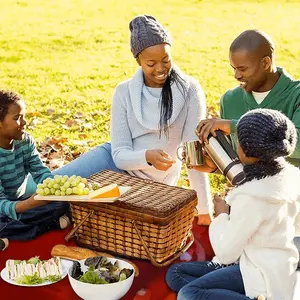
[
  {"x": 87, "y": 126},
  {"x": 56, "y": 163},
  {"x": 32, "y": 114},
  {"x": 55, "y": 153},
  {"x": 33, "y": 123},
  {"x": 54, "y": 140},
  {"x": 83, "y": 136},
  {"x": 70, "y": 123},
  {"x": 50, "y": 111},
  {"x": 78, "y": 115},
  {"x": 79, "y": 143}
]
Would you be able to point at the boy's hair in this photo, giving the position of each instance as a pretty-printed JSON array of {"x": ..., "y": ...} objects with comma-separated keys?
[
  {"x": 7, "y": 98},
  {"x": 266, "y": 134}
]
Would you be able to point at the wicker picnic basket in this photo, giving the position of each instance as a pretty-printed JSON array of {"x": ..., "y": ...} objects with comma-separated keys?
[{"x": 150, "y": 221}]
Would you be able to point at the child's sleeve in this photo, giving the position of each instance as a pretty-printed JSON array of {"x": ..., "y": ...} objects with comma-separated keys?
[
  {"x": 35, "y": 166},
  {"x": 297, "y": 223},
  {"x": 7, "y": 207},
  {"x": 229, "y": 234}
]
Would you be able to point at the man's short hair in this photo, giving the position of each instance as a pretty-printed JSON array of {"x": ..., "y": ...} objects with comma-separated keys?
[{"x": 254, "y": 41}]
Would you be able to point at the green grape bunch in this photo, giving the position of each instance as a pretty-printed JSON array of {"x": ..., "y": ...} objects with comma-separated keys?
[
  {"x": 63, "y": 186},
  {"x": 95, "y": 186}
]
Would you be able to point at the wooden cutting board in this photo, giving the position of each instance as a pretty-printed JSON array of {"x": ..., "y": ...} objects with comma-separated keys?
[{"x": 84, "y": 198}]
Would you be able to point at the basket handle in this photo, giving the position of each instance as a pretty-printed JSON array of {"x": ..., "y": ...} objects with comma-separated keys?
[
  {"x": 168, "y": 261},
  {"x": 71, "y": 234}
]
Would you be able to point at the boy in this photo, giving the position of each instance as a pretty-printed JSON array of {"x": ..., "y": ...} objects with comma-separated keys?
[{"x": 21, "y": 217}]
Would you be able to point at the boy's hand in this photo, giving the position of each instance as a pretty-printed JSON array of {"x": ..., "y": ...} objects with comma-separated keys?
[
  {"x": 29, "y": 203},
  {"x": 205, "y": 127},
  {"x": 159, "y": 159},
  {"x": 220, "y": 206},
  {"x": 37, "y": 203}
]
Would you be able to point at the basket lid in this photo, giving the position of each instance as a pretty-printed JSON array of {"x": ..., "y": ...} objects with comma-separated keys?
[{"x": 146, "y": 196}]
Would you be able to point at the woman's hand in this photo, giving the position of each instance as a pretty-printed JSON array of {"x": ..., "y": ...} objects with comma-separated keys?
[
  {"x": 220, "y": 206},
  {"x": 159, "y": 159},
  {"x": 205, "y": 127}
]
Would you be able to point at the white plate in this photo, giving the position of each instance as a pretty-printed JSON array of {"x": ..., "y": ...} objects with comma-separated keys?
[
  {"x": 65, "y": 264},
  {"x": 86, "y": 198}
]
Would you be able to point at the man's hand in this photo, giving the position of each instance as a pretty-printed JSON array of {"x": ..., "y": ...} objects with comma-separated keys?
[
  {"x": 205, "y": 127},
  {"x": 208, "y": 164},
  {"x": 220, "y": 206},
  {"x": 159, "y": 159}
]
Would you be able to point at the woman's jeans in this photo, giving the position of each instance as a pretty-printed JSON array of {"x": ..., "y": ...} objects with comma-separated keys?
[
  {"x": 206, "y": 281},
  {"x": 89, "y": 163}
]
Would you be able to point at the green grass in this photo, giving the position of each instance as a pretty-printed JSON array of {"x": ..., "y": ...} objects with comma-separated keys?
[{"x": 70, "y": 54}]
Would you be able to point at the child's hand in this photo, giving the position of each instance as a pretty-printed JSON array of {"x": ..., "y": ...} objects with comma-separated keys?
[
  {"x": 29, "y": 203},
  {"x": 36, "y": 203},
  {"x": 44, "y": 202},
  {"x": 220, "y": 206}
]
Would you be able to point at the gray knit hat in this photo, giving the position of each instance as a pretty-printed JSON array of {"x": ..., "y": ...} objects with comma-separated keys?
[
  {"x": 266, "y": 134},
  {"x": 146, "y": 31}
]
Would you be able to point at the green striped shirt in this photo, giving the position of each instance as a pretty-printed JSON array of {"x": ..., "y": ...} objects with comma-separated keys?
[{"x": 15, "y": 165}]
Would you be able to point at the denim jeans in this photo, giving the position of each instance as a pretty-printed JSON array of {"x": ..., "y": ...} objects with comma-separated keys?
[
  {"x": 94, "y": 161},
  {"x": 33, "y": 222},
  {"x": 206, "y": 281}
]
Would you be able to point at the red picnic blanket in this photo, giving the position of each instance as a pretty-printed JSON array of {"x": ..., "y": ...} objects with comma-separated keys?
[{"x": 150, "y": 278}]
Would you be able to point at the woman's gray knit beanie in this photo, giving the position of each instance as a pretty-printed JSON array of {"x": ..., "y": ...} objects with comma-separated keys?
[{"x": 146, "y": 31}]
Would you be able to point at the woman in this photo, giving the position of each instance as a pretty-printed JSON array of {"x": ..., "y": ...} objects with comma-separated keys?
[{"x": 152, "y": 114}]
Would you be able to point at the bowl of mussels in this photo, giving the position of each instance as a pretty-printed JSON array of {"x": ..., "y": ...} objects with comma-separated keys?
[{"x": 101, "y": 278}]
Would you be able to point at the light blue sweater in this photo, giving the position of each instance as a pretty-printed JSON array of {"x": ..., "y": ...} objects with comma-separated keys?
[{"x": 135, "y": 129}]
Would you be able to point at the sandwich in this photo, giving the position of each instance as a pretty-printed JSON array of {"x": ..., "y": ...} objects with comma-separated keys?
[{"x": 34, "y": 270}]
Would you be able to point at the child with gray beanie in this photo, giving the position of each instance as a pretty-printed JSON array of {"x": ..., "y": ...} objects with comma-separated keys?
[
  {"x": 153, "y": 113},
  {"x": 255, "y": 256}
]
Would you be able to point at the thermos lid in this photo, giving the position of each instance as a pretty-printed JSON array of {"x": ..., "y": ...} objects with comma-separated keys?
[{"x": 238, "y": 179}]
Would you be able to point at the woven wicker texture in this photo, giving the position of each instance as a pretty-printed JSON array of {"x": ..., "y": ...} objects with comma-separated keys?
[
  {"x": 127, "y": 226},
  {"x": 146, "y": 196}
]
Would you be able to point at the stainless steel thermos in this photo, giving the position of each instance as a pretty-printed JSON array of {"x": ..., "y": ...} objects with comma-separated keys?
[{"x": 226, "y": 159}]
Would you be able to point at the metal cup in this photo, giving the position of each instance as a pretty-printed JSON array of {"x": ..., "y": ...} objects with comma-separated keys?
[{"x": 193, "y": 153}]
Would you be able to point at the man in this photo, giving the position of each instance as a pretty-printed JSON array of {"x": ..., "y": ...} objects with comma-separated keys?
[{"x": 262, "y": 85}]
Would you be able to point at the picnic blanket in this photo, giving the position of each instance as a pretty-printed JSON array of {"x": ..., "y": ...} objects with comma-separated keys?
[{"x": 151, "y": 279}]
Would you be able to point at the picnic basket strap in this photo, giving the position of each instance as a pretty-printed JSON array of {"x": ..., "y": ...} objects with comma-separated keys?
[
  {"x": 171, "y": 259},
  {"x": 71, "y": 234}
]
